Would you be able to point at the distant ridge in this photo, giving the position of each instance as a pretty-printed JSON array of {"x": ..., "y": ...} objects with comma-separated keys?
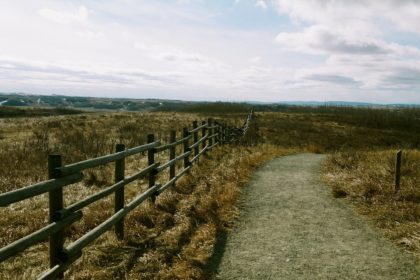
[
  {"x": 337, "y": 103},
  {"x": 150, "y": 104}
]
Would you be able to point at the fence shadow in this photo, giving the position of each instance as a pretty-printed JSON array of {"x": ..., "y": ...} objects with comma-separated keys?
[{"x": 216, "y": 258}]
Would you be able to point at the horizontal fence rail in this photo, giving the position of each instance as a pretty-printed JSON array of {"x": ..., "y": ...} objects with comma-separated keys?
[
  {"x": 90, "y": 163},
  {"x": 204, "y": 138},
  {"x": 39, "y": 188}
]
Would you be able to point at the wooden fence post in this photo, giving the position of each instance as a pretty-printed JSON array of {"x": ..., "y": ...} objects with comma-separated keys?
[
  {"x": 398, "y": 171},
  {"x": 210, "y": 131},
  {"x": 172, "y": 152},
  {"x": 223, "y": 134},
  {"x": 219, "y": 131},
  {"x": 203, "y": 133},
  {"x": 228, "y": 132},
  {"x": 119, "y": 194},
  {"x": 55, "y": 200},
  {"x": 185, "y": 133},
  {"x": 150, "y": 161},
  {"x": 195, "y": 138}
]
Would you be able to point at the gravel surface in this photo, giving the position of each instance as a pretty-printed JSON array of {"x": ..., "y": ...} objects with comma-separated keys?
[{"x": 292, "y": 228}]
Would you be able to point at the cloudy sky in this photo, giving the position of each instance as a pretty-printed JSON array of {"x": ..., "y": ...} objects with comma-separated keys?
[{"x": 234, "y": 50}]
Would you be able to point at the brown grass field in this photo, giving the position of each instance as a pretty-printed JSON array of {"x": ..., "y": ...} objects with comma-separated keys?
[{"x": 175, "y": 237}]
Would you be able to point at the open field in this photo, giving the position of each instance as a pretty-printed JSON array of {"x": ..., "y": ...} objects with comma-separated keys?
[
  {"x": 18, "y": 112},
  {"x": 174, "y": 238}
]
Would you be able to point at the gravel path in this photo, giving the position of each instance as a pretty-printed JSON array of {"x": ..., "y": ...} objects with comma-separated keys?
[{"x": 292, "y": 228}]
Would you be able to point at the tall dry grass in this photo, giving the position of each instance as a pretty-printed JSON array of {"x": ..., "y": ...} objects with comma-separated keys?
[
  {"x": 326, "y": 133},
  {"x": 26, "y": 142},
  {"x": 367, "y": 180}
]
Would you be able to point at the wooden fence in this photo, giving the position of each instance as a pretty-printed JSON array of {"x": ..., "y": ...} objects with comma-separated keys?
[{"x": 204, "y": 137}]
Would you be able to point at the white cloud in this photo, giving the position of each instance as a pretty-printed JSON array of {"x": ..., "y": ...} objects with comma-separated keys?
[
  {"x": 261, "y": 4},
  {"x": 319, "y": 38},
  {"x": 64, "y": 75},
  {"x": 354, "y": 36},
  {"x": 79, "y": 16},
  {"x": 256, "y": 59},
  {"x": 182, "y": 58},
  {"x": 358, "y": 16}
]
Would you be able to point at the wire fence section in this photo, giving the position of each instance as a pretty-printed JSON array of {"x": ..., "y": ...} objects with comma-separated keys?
[{"x": 195, "y": 142}]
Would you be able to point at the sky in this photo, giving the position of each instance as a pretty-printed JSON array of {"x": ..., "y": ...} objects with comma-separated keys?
[{"x": 230, "y": 50}]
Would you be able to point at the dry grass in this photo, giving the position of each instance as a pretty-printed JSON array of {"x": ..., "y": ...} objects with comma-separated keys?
[
  {"x": 326, "y": 133},
  {"x": 367, "y": 180},
  {"x": 26, "y": 142}
]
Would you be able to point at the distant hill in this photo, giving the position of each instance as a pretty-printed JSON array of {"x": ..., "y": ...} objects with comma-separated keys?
[
  {"x": 345, "y": 104},
  {"x": 131, "y": 104},
  {"x": 86, "y": 103}
]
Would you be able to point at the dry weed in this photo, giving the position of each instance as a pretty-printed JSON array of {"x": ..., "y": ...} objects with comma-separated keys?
[{"x": 367, "y": 179}]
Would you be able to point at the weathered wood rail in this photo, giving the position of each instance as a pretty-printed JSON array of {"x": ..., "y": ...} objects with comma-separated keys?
[{"x": 204, "y": 137}]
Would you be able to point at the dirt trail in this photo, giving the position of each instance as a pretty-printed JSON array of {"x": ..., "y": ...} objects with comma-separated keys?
[{"x": 292, "y": 228}]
